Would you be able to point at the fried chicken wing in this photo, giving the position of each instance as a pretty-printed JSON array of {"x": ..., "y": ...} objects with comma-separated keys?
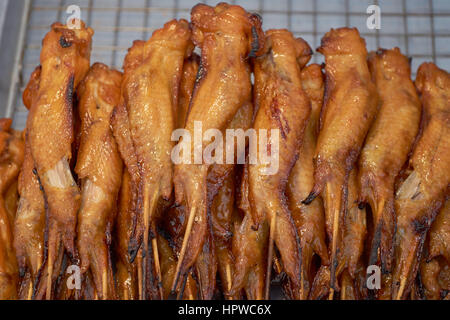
[
  {"x": 397, "y": 124},
  {"x": 350, "y": 105},
  {"x": 227, "y": 35},
  {"x": 284, "y": 106},
  {"x": 150, "y": 92},
  {"x": 11, "y": 158},
  {"x": 423, "y": 193},
  {"x": 309, "y": 220},
  {"x": 99, "y": 167},
  {"x": 29, "y": 224},
  {"x": 65, "y": 61}
]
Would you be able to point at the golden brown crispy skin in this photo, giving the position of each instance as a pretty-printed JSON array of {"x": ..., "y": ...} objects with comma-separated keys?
[
  {"x": 65, "y": 61},
  {"x": 30, "y": 221},
  {"x": 126, "y": 270},
  {"x": 283, "y": 105},
  {"x": 309, "y": 220},
  {"x": 349, "y": 108},
  {"x": 439, "y": 244},
  {"x": 206, "y": 267},
  {"x": 29, "y": 224},
  {"x": 99, "y": 168},
  {"x": 168, "y": 267},
  {"x": 222, "y": 211},
  {"x": 388, "y": 145},
  {"x": 355, "y": 230},
  {"x": 11, "y": 158},
  {"x": 32, "y": 88},
  {"x": 350, "y": 266},
  {"x": 224, "y": 34},
  {"x": 150, "y": 94},
  {"x": 422, "y": 194},
  {"x": 187, "y": 83},
  {"x": 437, "y": 260}
]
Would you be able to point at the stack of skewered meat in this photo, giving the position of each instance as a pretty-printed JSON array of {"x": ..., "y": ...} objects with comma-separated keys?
[{"x": 92, "y": 205}]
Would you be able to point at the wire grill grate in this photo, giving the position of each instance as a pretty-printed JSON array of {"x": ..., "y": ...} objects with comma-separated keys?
[{"x": 420, "y": 28}]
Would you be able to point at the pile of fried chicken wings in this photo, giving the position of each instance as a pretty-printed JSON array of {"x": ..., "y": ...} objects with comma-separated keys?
[{"x": 93, "y": 206}]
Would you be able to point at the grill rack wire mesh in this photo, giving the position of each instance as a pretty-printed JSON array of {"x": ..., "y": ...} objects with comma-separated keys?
[{"x": 420, "y": 28}]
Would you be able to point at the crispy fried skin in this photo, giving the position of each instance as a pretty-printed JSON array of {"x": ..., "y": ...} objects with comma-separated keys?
[
  {"x": 168, "y": 267},
  {"x": 397, "y": 124},
  {"x": 222, "y": 211},
  {"x": 126, "y": 270},
  {"x": 437, "y": 261},
  {"x": 99, "y": 167},
  {"x": 150, "y": 92},
  {"x": 355, "y": 230},
  {"x": 65, "y": 61},
  {"x": 309, "y": 220},
  {"x": 420, "y": 197},
  {"x": 439, "y": 244},
  {"x": 349, "y": 107},
  {"x": 190, "y": 70},
  {"x": 206, "y": 267},
  {"x": 11, "y": 158},
  {"x": 29, "y": 224},
  {"x": 32, "y": 88},
  {"x": 224, "y": 34},
  {"x": 350, "y": 266},
  {"x": 283, "y": 105}
]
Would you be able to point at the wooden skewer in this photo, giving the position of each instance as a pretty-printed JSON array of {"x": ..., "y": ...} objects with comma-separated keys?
[
  {"x": 30, "y": 290},
  {"x": 157, "y": 266},
  {"x": 331, "y": 294},
  {"x": 48, "y": 292},
  {"x": 190, "y": 223},
  {"x": 335, "y": 239},
  {"x": 149, "y": 209},
  {"x": 229, "y": 280},
  {"x": 403, "y": 280},
  {"x": 273, "y": 222},
  {"x": 104, "y": 284},
  {"x": 139, "y": 271}
]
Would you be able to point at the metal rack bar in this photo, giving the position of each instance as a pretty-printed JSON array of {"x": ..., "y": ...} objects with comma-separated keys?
[{"x": 120, "y": 22}]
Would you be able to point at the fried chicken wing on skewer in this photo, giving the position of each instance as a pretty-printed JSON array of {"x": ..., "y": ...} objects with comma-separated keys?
[
  {"x": 309, "y": 220},
  {"x": 283, "y": 110},
  {"x": 65, "y": 61},
  {"x": 11, "y": 158},
  {"x": 227, "y": 35},
  {"x": 397, "y": 124},
  {"x": 99, "y": 167},
  {"x": 349, "y": 107},
  {"x": 29, "y": 224},
  {"x": 422, "y": 194},
  {"x": 150, "y": 93}
]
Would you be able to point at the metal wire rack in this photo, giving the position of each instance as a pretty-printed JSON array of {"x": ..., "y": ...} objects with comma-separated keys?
[{"x": 420, "y": 28}]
